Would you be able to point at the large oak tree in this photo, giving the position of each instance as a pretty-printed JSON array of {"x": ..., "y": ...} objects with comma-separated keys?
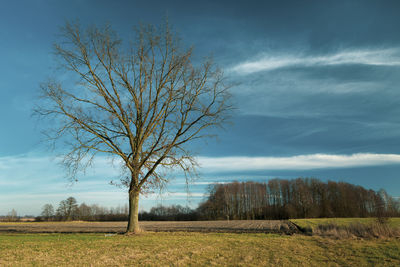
[{"x": 140, "y": 101}]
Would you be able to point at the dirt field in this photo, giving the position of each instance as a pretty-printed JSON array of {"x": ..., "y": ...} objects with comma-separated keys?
[{"x": 259, "y": 226}]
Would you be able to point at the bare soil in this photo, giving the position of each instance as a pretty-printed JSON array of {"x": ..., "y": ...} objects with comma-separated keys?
[{"x": 233, "y": 226}]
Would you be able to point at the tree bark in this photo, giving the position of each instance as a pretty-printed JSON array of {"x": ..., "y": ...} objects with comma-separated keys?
[{"x": 133, "y": 222}]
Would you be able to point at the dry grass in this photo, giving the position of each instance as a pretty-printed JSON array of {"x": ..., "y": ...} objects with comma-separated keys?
[
  {"x": 350, "y": 227},
  {"x": 193, "y": 249},
  {"x": 357, "y": 230},
  {"x": 312, "y": 223}
]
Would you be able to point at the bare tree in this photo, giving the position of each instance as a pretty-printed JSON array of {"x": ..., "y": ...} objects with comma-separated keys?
[
  {"x": 68, "y": 209},
  {"x": 12, "y": 216},
  {"x": 48, "y": 211},
  {"x": 140, "y": 102},
  {"x": 85, "y": 212}
]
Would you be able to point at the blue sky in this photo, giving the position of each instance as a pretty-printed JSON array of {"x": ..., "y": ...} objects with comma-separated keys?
[{"x": 317, "y": 94}]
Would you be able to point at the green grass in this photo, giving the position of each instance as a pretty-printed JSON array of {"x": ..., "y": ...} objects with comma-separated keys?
[
  {"x": 196, "y": 249},
  {"x": 393, "y": 222}
]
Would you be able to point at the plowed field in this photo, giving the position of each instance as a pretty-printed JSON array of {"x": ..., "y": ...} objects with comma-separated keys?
[{"x": 259, "y": 226}]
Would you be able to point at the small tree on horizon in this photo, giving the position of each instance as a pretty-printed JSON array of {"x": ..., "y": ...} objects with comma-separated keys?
[
  {"x": 12, "y": 215},
  {"x": 140, "y": 103},
  {"x": 47, "y": 212},
  {"x": 68, "y": 209}
]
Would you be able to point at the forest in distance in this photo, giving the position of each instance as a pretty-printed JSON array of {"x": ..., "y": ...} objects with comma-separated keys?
[
  {"x": 275, "y": 199},
  {"x": 294, "y": 199}
]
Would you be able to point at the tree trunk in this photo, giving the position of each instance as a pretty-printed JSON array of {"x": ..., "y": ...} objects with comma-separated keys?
[{"x": 133, "y": 222}]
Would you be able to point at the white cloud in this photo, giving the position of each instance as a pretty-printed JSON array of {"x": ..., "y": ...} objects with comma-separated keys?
[
  {"x": 213, "y": 182},
  {"x": 301, "y": 162},
  {"x": 172, "y": 195},
  {"x": 27, "y": 182},
  {"x": 41, "y": 174},
  {"x": 268, "y": 62}
]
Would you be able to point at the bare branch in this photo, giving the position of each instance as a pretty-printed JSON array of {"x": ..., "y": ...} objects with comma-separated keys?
[{"x": 141, "y": 102}]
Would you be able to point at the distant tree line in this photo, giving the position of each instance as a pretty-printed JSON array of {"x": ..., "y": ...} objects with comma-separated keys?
[
  {"x": 69, "y": 210},
  {"x": 10, "y": 217},
  {"x": 169, "y": 213},
  {"x": 275, "y": 199},
  {"x": 298, "y": 198}
]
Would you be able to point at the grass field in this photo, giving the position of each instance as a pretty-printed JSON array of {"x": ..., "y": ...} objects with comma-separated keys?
[
  {"x": 191, "y": 243},
  {"x": 393, "y": 222},
  {"x": 197, "y": 249}
]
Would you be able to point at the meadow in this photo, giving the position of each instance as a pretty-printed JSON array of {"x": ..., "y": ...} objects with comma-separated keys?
[
  {"x": 181, "y": 248},
  {"x": 312, "y": 223},
  {"x": 197, "y": 249}
]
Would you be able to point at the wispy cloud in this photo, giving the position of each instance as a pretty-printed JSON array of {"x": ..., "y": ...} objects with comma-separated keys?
[
  {"x": 173, "y": 195},
  {"x": 38, "y": 170},
  {"x": 268, "y": 62},
  {"x": 302, "y": 162},
  {"x": 41, "y": 180}
]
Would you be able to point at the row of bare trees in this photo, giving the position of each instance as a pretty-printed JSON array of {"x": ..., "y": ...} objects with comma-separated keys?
[
  {"x": 10, "y": 217},
  {"x": 169, "y": 213},
  {"x": 69, "y": 210},
  {"x": 298, "y": 198},
  {"x": 275, "y": 199}
]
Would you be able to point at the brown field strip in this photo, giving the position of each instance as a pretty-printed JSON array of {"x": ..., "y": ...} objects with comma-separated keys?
[{"x": 233, "y": 226}]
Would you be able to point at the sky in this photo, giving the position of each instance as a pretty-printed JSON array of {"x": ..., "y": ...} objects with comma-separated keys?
[{"x": 316, "y": 89}]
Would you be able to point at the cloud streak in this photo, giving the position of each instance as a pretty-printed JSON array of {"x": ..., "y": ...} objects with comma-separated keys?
[
  {"x": 268, "y": 62},
  {"x": 301, "y": 162},
  {"x": 38, "y": 169},
  {"x": 41, "y": 180}
]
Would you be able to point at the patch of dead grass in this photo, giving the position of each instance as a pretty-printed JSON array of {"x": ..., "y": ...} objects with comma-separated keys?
[
  {"x": 193, "y": 249},
  {"x": 357, "y": 230}
]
